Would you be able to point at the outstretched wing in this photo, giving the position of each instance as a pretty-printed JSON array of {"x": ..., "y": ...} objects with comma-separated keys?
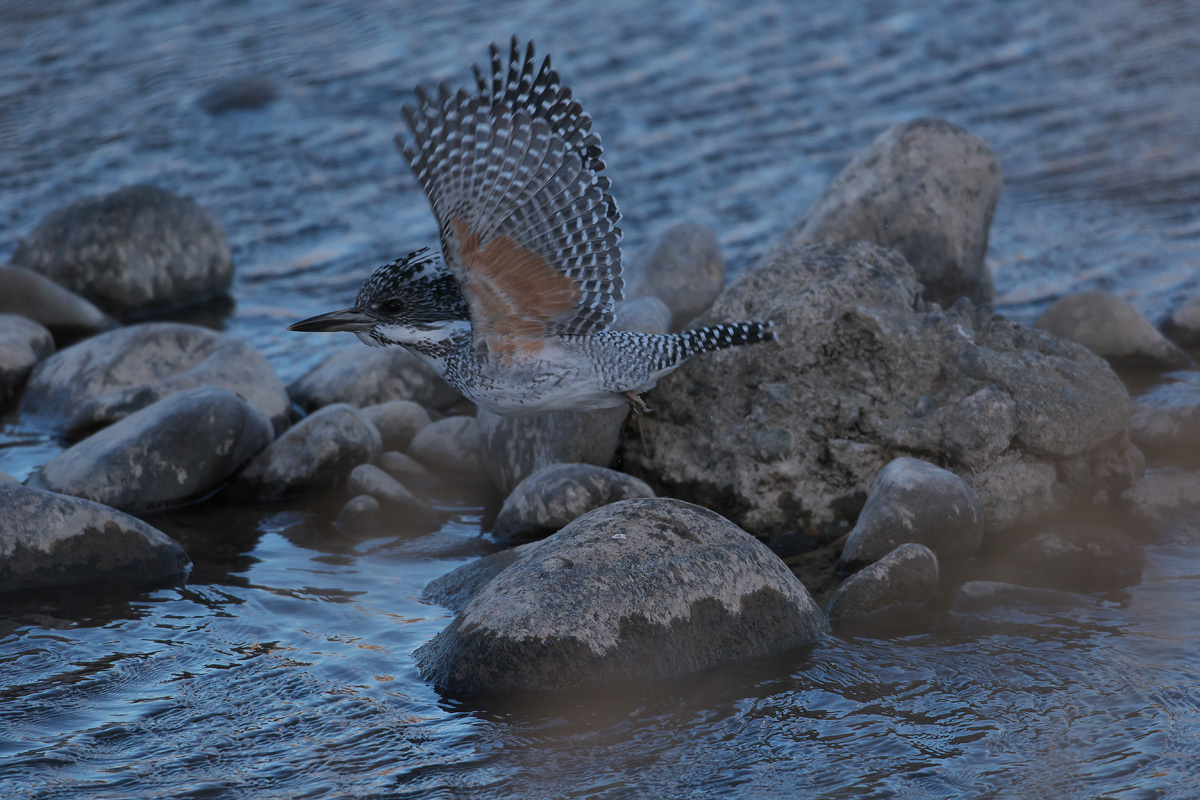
[{"x": 512, "y": 172}]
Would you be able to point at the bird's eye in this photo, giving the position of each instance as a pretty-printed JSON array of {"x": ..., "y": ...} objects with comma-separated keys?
[{"x": 393, "y": 306}]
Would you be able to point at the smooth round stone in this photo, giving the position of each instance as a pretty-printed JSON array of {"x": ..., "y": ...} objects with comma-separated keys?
[
  {"x": 1079, "y": 557},
  {"x": 552, "y": 497},
  {"x": 1111, "y": 328},
  {"x": 405, "y": 468},
  {"x": 685, "y": 270},
  {"x": 1183, "y": 325},
  {"x": 179, "y": 449},
  {"x": 449, "y": 445},
  {"x": 368, "y": 479},
  {"x": 131, "y": 251},
  {"x": 397, "y": 421},
  {"x": 906, "y": 576},
  {"x": 49, "y": 539},
  {"x": 361, "y": 511},
  {"x": 23, "y": 343},
  {"x": 367, "y": 376},
  {"x": 36, "y": 297},
  {"x": 318, "y": 451}
]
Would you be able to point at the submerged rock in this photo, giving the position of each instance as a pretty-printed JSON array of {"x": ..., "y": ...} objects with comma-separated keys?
[
  {"x": 1163, "y": 492},
  {"x": 638, "y": 589},
  {"x": 368, "y": 479},
  {"x": 685, "y": 269},
  {"x": 976, "y": 596},
  {"x": 555, "y": 495},
  {"x": 316, "y": 452},
  {"x": 926, "y": 188},
  {"x": 178, "y": 449},
  {"x": 361, "y": 511},
  {"x": 450, "y": 445},
  {"x": 913, "y": 501},
  {"x": 23, "y": 343},
  {"x": 907, "y": 575},
  {"x": 47, "y": 539},
  {"x": 1111, "y": 328},
  {"x": 397, "y": 421},
  {"x": 131, "y": 251},
  {"x": 781, "y": 436},
  {"x": 36, "y": 297},
  {"x": 1079, "y": 557},
  {"x": 110, "y": 376},
  {"x": 367, "y": 376}
]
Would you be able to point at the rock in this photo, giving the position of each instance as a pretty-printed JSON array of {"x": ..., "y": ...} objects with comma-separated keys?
[
  {"x": 907, "y": 575},
  {"x": 318, "y": 451},
  {"x": 783, "y": 436},
  {"x": 638, "y": 589},
  {"x": 1079, "y": 557},
  {"x": 456, "y": 588},
  {"x": 645, "y": 315},
  {"x": 368, "y": 376},
  {"x": 925, "y": 188},
  {"x": 685, "y": 270},
  {"x": 1111, "y": 328},
  {"x": 397, "y": 422},
  {"x": 65, "y": 314},
  {"x": 450, "y": 445},
  {"x": 1165, "y": 423},
  {"x": 110, "y": 376},
  {"x": 1162, "y": 492},
  {"x": 47, "y": 539},
  {"x": 6, "y": 478},
  {"x": 359, "y": 512},
  {"x": 405, "y": 469},
  {"x": 914, "y": 501},
  {"x": 370, "y": 480},
  {"x": 555, "y": 495},
  {"x": 131, "y": 251},
  {"x": 976, "y": 596},
  {"x": 516, "y": 447},
  {"x": 238, "y": 93},
  {"x": 23, "y": 343},
  {"x": 1183, "y": 325},
  {"x": 178, "y": 449}
]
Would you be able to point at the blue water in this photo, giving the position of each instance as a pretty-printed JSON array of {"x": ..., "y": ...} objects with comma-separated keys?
[{"x": 283, "y": 668}]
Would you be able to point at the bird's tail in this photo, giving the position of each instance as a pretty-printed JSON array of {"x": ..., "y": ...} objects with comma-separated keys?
[{"x": 683, "y": 346}]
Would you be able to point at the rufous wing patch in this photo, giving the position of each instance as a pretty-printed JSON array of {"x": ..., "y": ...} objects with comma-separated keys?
[{"x": 514, "y": 291}]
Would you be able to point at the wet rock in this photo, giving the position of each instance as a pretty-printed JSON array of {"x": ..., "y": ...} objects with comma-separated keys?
[
  {"x": 6, "y": 478},
  {"x": 131, "y": 251},
  {"x": 178, "y": 449},
  {"x": 23, "y": 343},
  {"x": 1163, "y": 492},
  {"x": 1165, "y": 423},
  {"x": 783, "y": 436},
  {"x": 926, "y": 188},
  {"x": 456, "y": 588},
  {"x": 405, "y": 469},
  {"x": 450, "y": 445},
  {"x": 976, "y": 596},
  {"x": 359, "y": 512},
  {"x": 1111, "y": 328},
  {"x": 245, "y": 92},
  {"x": 637, "y": 589},
  {"x": 555, "y": 495},
  {"x": 1183, "y": 325},
  {"x": 48, "y": 539},
  {"x": 907, "y": 575},
  {"x": 67, "y": 315},
  {"x": 397, "y": 422},
  {"x": 367, "y": 376},
  {"x": 318, "y": 451},
  {"x": 110, "y": 376},
  {"x": 914, "y": 501},
  {"x": 370, "y": 480},
  {"x": 516, "y": 447},
  {"x": 685, "y": 269},
  {"x": 1079, "y": 557}
]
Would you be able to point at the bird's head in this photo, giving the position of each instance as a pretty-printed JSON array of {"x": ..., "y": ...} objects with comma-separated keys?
[{"x": 413, "y": 301}]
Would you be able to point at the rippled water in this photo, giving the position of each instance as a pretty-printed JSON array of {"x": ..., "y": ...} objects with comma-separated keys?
[{"x": 283, "y": 668}]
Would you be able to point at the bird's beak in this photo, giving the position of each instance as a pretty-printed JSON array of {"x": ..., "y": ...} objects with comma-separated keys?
[{"x": 348, "y": 319}]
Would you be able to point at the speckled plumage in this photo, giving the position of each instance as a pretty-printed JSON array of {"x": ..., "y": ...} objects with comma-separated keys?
[{"x": 517, "y": 313}]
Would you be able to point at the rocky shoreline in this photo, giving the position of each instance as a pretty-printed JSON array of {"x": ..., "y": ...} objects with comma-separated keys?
[{"x": 900, "y": 436}]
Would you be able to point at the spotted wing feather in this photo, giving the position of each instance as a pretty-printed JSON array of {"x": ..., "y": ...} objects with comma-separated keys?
[{"x": 512, "y": 172}]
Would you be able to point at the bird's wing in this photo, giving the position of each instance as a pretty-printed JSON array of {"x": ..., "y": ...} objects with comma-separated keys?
[{"x": 512, "y": 172}]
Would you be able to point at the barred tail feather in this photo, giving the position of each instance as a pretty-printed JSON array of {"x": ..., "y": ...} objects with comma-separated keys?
[{"x": 715, "y": 337}]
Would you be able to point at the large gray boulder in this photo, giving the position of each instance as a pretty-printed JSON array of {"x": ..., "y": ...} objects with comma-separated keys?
[
  {"x": 179, "y": 449},
  {"x": 638, "y": 589},
  {"x": 906, "y": 576},
  {"x": 514, "y": 448},
  {"x": 130, "y": 251},
  {"x": 1112, "y": 328},
  {"x": 553, "y": 496},
  {"x": 914, "y": 501},
  {"x": 110, "y": 376},
  {"x": 926, "y": 188},
  {"x": 64, "y": 313},
  {"x": 781, "y": 436},
  {"x": 318, "y": 451},
  {"x": 47, "y": 539},
  {"x": 367, "y": 376},
  {"x": 23, "y": 343},
  {"x": 684, "y": 268}
]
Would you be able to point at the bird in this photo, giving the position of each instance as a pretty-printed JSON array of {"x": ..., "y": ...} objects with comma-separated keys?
[{"x": 516, "y": 312}]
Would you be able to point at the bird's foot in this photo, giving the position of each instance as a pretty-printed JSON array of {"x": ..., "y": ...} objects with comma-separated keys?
[{"x": 636, "y": 403}]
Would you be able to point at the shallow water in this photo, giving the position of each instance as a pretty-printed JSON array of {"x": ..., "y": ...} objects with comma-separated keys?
[{"x": 283, "y": 669}]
